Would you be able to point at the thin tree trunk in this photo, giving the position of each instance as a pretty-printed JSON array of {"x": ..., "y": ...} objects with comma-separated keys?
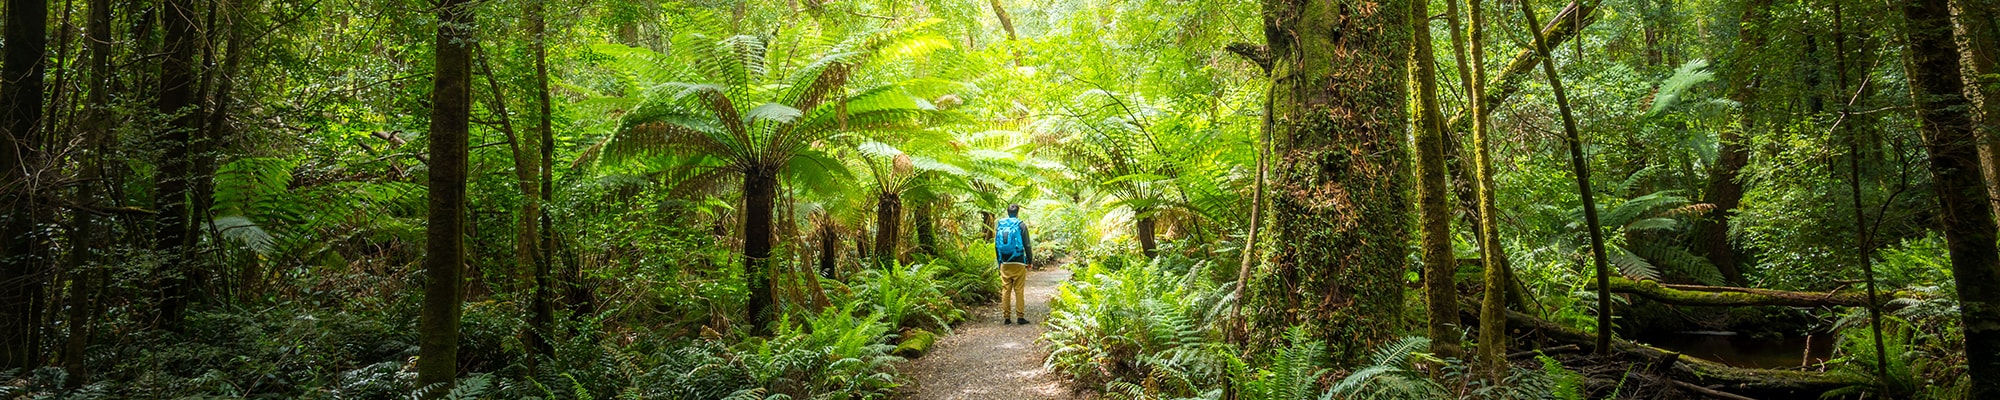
[
  {"x": 1932, "y": 65},
  {"x": 1007, "y": 23},
  {"x": 1863, "y": 237},
  {"x": 1582, "y": 171},
  {"x": 444, "y": 258},
  {"x": 22, "y": 269},
  {"x": 1433, "y": 212},
  {"x": 174, "y": 235},
  {"x": 580, "y": 297},
  {"x": 888, "y": 228},
  {"x": 1338, "y": 220},
  {"x": 1492, "y": 310},
  {"x": 1724, "y": 190},
  {"x": 527, "y": 233},
  {"x": 760, "y": 194}
]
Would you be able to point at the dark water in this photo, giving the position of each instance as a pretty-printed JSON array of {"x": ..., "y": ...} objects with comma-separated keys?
[{"x": 1746, "y": 351}]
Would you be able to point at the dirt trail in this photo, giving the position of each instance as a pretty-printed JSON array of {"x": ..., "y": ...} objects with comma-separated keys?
[{"x": 984, "y": 359}]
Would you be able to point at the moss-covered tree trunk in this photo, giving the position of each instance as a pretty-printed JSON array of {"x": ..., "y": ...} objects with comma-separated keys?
[
  {"x": 444, "y": 246},
  {"x": 1433, "y": 212},
  {"x": 1724, "y": 190},
  {"x": 1339, "y": 204},
  {"x": 1932, "y": 64}
]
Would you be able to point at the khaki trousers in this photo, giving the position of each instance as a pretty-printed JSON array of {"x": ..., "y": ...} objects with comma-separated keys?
[{"x": 1013, "y": 286}]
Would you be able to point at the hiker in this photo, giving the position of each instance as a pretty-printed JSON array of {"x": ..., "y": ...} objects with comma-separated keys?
[{"x": 1015, "y": 253}]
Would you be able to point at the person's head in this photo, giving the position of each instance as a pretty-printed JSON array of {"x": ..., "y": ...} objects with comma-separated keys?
[{"x": 1013, "y": 210}]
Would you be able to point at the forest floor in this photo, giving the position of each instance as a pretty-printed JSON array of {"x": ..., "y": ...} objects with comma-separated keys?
[{"x": 984, "y": 359}]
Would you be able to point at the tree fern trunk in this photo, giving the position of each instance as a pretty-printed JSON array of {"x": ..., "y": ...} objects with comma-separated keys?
[
  {"x": 1339, "y": 207},
  {"x": 888, "y": 227},
  {"x": 760, "y": 195},
  {"x": 1148, "y": 234}
]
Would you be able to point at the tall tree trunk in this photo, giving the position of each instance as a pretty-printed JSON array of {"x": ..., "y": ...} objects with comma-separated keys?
[
  {"x": 1863, "y": 238},
  {"x": 1007, "y": 23},
  {"x": 444, "y": 245},
  {"x": 760, "y": 196},
  {"x": 1433, "y": 212},
  {"x": 1339, "y": 210},
  {"x": 22, "y": 264},
  {"x": 888, "y": 228},
  {"x": 1978, "y": 34},
  {"x": 1148, "y": 233},
  {"x": 580, "y": 297},
  {"x": 1581, "y": 167},
  {"x": 1937, "y": 89},
  {"x": 1724, "y": 190},
  {"x": 97, "y": 138},
  {"x": 174, "y": 235},
  {"x": 1492, "y": 310}
]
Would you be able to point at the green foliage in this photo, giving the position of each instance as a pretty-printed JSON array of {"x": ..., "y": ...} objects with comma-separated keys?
[{"x": 907, "y": 296}]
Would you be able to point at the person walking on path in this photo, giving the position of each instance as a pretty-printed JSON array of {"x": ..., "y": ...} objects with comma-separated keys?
[{"x": 1015, "y": 253}]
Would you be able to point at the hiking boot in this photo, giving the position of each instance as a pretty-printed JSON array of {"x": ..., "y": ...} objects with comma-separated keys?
[
  {"x": 1005, "y": 321},
  {"x": 1022, "y": 321}
]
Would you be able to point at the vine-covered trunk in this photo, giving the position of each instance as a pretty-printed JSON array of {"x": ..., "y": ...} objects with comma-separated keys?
[
  {"x": 1492, "y": 311},
  {"x": 22, "y": 274},
  {"x": 1148, "y": 232},
  {"x": 760, "y": 200},
  {"x": 1433, "y": 214},
  {"x": 444, "y": 246},
  {"x": 888, "y": 227},
  {"x": 1937, "y": 91},
  {"x": 1339, "y": 206}
]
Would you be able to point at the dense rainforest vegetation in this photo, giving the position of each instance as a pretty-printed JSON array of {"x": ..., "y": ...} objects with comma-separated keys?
[{"x": 792, "y": 199}]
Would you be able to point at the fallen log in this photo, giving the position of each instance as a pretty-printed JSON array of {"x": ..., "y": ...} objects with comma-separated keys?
[
  {"x": 1697, "y": 295},
  {"x": 1753, "y": 382}
]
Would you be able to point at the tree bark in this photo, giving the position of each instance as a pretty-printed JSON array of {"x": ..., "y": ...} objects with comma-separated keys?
[
  {"x": 1581, "y": 167},
  {"x": 760, "y": 196},
  {"x": 888, "y": 228},
  {"x": 1931, "y": 62},
  {"x": 829, "y": 251},
  {"x": 174, "y": 233},
  {"x": 444, "y": 235},
  {"x": 1338, "y": 204},
  {"x": 23, "y": 272},
  {"x": 1978, "y": 36},
  {"x": 1724, "y": 189},
  {"x": 527, "y": 233},
  {"x": 1433, "y": 212}
]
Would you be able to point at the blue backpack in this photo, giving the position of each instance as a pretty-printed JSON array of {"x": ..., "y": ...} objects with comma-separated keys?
[{"x": 1007, "y": 238}]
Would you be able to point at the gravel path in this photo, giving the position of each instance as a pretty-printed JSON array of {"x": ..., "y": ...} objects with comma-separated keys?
[{"x": 984, "y": 359}]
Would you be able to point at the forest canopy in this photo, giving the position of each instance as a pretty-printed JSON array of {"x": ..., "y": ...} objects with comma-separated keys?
[{"x": 799, "y": 199}]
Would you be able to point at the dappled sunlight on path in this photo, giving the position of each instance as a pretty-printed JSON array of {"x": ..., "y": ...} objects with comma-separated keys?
[{"x": 984, "y": 359}]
